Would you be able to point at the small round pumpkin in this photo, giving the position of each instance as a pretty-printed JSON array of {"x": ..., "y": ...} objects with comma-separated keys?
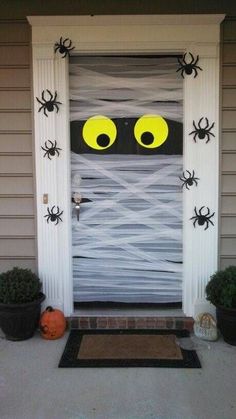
[{"x": 52, "y": 323}]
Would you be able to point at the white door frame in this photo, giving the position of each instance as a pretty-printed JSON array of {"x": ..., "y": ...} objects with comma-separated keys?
[{"x": 153, "y": 34}]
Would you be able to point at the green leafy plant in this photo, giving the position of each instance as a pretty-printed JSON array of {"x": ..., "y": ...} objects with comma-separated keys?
[
  {"x": 19, "y": 286},
  {"x": 221, "y": 289}
]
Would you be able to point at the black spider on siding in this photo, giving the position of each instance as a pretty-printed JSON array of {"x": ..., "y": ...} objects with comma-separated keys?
[
  {"x": 53, "y": 216},
  {"x": 48, "y": 105},
  {"x": 202, "y": 132},
  {"x": 52, "y": 150},
  {"x": 188, "y": 181},
  {"x": 188, "y": 68},
  {"x": 202, "y": 218},
  {"x": 64, "y": 47}
]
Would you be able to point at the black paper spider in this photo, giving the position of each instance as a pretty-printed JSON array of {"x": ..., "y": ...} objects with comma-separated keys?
[
  {"x": 64, "y": 47},
  {"x": 202, "y": 218},
  {"x": 53, "y": 216},
  {"x": 188, "y": 181},
  {"x": 202, "y": 132},
  {"x": 48, "y": 105},
  {"x": 188, "y": 68},
  {"x": 52, "y": 150}
]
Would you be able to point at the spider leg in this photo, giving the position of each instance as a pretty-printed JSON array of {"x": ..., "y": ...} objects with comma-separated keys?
[
  {"x": 208, "y": 137},
  {"x": 39, "y": 101},
  {"x": 194, "y": 125},
  {"x": 195, "y": 180},
  {"x": 199, "y": 68},
  {"x": 40, "y": 108},
  {"x": 207, "y": 225},
  {"x": 211, "y": 216},
  {"x": 186, "y": 186},
  {"x": 192, "y": 58},
  {"x": 194, "y": 223},
  {"x": 189, "y": 173},
  {"x": 208, "y": 212},
  {"x": 43, "y": 96},
  {"x": 70, "y": 49},
  {"x": 195, "y": 210},
  {"x": 199, "y": 123},
  {"x": 57, "y": 211},
  {"x": 48, "y": 155},
  {"x": 59, "y": 218},
  {"x": 178, "y": 69},
  {"x": 207, "y": 124},
  {"x": 212, "y": 125},
  {"x": 182, "y": 73},
  {"x": 52, "y": 210},
  {"x": 56, "y": 106},
  {"x": 60, "y": 214},
  {"x": 64, "y": 42},
  {"x": 193, "y": 173},
  {"x": 44, "y": 149},
  {"x": 183, "y": 58},
  {"x": 200, "y": 211},
  {"x": 56, "y": 150},
  {"x": 196, "y": 61},
  {"x": 194, "y": 137},
  {"x": 50, "y": 94},
  {"x": 56, "y": 47},
  {"x": 44, "y": 111},
  {"x": 183, "y": 179},
  {"x": 65, "y": 54},
  {"x": 192, "y": 132},
  {"x": 195, "y": 71},
  {"x": 56, "y": 222}
]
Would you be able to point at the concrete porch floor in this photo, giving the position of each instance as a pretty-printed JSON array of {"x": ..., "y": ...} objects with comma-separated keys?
[{"x": 32, "y": 387}]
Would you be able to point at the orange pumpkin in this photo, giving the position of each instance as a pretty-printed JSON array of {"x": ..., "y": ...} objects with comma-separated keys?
[{"x": 52, "y": 323}]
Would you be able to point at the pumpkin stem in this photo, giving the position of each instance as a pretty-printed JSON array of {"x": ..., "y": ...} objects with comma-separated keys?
[{"x": 50, "y": 308}]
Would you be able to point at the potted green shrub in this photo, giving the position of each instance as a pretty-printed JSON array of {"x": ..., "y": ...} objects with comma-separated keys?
[
  {"x": 20, "y": 303},
  {"x": 221, "y": 291}
]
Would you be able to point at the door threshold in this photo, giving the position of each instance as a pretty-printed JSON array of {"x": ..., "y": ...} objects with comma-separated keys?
[{"x": 128, "y": 312}]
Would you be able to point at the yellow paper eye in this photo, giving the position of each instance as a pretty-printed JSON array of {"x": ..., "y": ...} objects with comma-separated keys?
[
  {"x": 151, "y": 131},
  {"x": 99, "y": 132}
]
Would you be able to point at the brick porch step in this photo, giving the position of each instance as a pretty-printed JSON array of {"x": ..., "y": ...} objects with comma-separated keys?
[{"x": 130, "y": 322}]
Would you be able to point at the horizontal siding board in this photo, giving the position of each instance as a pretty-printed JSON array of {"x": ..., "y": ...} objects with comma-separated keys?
[
  {"x": 228, "y": 246},
  {"x": 17, "y": 227},
  {"x": 228, "y": 225},
  {"x": 17, "y": 206},
  {"x": 228, "y": 141},
  {"x": 14, "y": 77},
  {"x": 229, "y": 53},
  {"x": 6, "y": 264},
  {"x": 15, "y": 100},
  {"x": 23, "y": 247},
  {"x": 225, "y": 262},
  {"x": 14, "y": 55},
  {"x": 229, "y": 98},
  {"x": 16, "y": 143},
  {"x": 228, "y": 119},
  {"x": 16, "y": 186},
  {"x": 15, "y": 121},
  {"x": 229, "y": 30},
  {"x": 229, "y": 183},
  {"x": 229, "y": 162},
  {"x": 16, "y": 164},
  {"x": 14, "y": 32},
  {"x": 228, "y": 205},
  {"x": 229, "y": 76}
]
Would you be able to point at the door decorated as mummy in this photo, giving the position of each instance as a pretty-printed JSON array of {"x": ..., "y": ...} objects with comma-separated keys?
[{"x": 126, "y": 159}]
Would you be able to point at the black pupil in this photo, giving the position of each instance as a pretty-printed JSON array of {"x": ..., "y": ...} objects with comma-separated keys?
[
  {"x": 147, "y": 138},
  {"x": 103, "y": 140}
]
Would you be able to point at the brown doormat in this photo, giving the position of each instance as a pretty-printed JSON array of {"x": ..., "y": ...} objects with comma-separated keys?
[{"x": 127, "y": 348}]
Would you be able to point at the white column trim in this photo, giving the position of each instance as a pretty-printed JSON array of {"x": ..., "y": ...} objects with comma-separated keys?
[{"x": 198, "y": 34}]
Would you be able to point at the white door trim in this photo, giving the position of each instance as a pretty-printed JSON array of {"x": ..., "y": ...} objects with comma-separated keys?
[{"x": 198, "y": 34}]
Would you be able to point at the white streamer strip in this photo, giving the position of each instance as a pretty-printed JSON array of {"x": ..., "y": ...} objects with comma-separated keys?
[{"x": 127, "y": 245}]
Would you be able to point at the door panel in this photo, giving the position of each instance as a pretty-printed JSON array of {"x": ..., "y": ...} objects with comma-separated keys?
[{"x": 127, "y": 242}]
